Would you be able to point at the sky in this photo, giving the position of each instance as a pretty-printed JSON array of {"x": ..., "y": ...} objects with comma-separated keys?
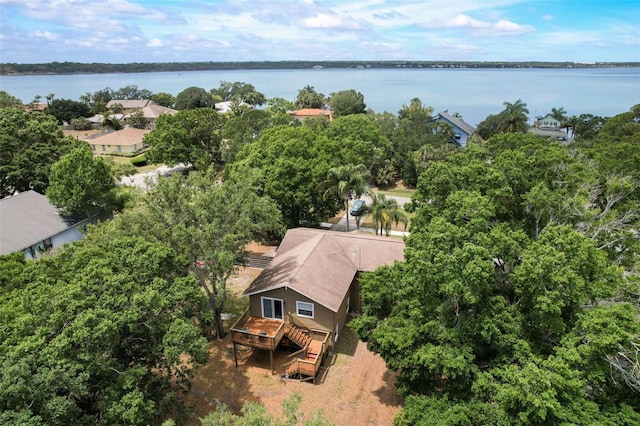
[{"x": 122, "y": 31}]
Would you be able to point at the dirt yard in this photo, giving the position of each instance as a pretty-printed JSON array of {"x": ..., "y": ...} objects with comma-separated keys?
[{"x": 356, "y": 389}]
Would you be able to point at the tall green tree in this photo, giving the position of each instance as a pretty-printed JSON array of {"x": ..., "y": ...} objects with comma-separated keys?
[
  {"x": 293, "y": 162},
  {"x": 240, "y": 91},
  {"x": 80, "y": 183},
  {"x": 514, "y": 117},
  {"x": 485, "y": 304},
  {"x": 29, "y": 144},
  {"x": 9, "y": 101},
  {"x": 104, "y": 332},
  {"x": 309, "y": 98},
  {"x": 346, "y": 102},
  {"x": 131, "y": 92},
  {"x": 559, "y": 114},
  {"x": 346, "y": 183},
  {"x": 386, "y": 212},
  {"x": 163, "y": 98},
  {"x": 193, "y": 98},
  {"x": 192, "y": 136},
  {"x": 360, "y": 140},
  {"x": 209, "y": 223},
  {"x": 65, "y": 110}
]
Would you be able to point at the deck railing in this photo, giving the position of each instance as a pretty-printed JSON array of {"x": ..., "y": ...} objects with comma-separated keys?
[{"x": 259, "y": 340}]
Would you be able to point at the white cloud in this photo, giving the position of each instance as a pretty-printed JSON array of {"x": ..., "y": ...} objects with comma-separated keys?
[
  {"x": 480, "y": 28},
  {"x": 156, "y": 42},
  {"x": 326, "y": 21},
  {"x": 45, "y": 34},
  {"x": 547, "y": 17}
]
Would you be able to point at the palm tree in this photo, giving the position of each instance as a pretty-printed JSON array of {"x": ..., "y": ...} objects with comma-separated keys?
[
  {"x": 385, "y": 212},
  {"x": 346, "y": 182},
  {"x": 559, "y": 114},
  {"x": 514, "y": 117}
]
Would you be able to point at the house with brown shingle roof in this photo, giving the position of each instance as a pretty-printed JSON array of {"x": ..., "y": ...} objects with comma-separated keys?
[
  {"x": 309, "y": 289},
  {"x": 303, "y": 114},
  {"x": 313, "y": 276},
  {"x": 127, "y": 140}
]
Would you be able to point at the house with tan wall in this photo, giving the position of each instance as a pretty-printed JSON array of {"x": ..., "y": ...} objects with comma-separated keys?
[
  {"x": 125, "y": 141},
  {"x": 311, "y": 285}
]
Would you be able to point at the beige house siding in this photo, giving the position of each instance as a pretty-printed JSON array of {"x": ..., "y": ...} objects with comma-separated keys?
[
  {"x": 127, "y": 140},
  {"x": 109, "y": 149},
  {"x": 323, "y": 318}
]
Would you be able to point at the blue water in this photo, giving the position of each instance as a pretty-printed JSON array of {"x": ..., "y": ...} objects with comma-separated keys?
[{"x": 474, "y": 93}]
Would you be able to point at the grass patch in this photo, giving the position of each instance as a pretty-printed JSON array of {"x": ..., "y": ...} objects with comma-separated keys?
[
  {"x": 127, "y": 160},
  {"x": 397, "y": 188}
]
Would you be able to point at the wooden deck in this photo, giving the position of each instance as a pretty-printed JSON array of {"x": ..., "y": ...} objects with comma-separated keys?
[
  {"x": 261, "y": 333},
  {"x": 265, "y": 333}
]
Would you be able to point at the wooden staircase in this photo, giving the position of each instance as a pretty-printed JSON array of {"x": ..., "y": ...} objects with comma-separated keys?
[
  {"x": 297, "y": 336},
  {"x": 305, "y": 362}
]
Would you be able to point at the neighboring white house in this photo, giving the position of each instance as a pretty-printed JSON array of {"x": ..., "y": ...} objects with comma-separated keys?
[
  {"x": 29, "y": 223},
  {"x": 128, "y": 140},
  {"x": 461, "y": 129}
]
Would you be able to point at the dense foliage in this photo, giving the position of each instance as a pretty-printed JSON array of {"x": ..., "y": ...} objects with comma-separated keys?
[
  {"x": 29, "y": 144},
  {"x": 207, "y": 222},
  {"x": 102, "y": 333},
  {"x": 509, "y": 302},
  {"x": 80, "y": 183}
]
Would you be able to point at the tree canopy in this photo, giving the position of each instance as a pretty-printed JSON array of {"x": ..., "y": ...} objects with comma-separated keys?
[
  {"x": 309, "y": 98},
  {"x": 496, "y": 315},
  {"x": 103, "y": 332},
  {"x": 80, "y": 183},
  {"x": 208, "y": 223},
  {"x": 190, "y": 136},
  {"x": 29, "y": 144},
  {"x": 346, "y": 102},
  {"x": 194, "y": 97}
]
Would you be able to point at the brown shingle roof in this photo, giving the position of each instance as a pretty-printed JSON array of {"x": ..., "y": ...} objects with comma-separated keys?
[
  {"x": 130, "y": 103},
  {"x": 321, "y": 264}
]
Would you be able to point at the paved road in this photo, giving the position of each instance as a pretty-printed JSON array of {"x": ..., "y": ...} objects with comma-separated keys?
[
  {"x": 141, "y": 179},
  {"x": 342, "y": 224}
]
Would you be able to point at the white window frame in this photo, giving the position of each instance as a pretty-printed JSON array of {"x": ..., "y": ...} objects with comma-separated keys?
[
  {"x": 300, "y": 305},
  {"x": 272, "y": 299}
]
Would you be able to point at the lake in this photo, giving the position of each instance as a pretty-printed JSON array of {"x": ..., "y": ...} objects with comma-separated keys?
[{"x": 474, "y": 93}]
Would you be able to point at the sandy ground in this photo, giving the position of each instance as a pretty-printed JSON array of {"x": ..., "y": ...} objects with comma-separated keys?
[{"x": 355, "y": 389}]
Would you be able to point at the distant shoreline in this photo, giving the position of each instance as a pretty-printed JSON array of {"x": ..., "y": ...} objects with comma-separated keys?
[{"x": 55, "y": 68}]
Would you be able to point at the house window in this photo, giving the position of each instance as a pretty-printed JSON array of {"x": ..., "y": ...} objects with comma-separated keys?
[
  {"x": 103, "y": 148},
  {"x": 48, "y": 244},
  {"x": 272, "y": 308},
  {"x": 119, "y": 148},
  {"x": 304, "y": 309}
]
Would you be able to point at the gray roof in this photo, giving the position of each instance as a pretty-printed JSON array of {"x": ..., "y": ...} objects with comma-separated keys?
[
  {"x": 469, "y": 129},
  {"x": 321, "y": 264},
  {"x": 27, "y": 219}
]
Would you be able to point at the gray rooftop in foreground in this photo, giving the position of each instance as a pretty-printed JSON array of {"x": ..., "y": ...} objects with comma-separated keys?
[{"x": 27, "y": 219}]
